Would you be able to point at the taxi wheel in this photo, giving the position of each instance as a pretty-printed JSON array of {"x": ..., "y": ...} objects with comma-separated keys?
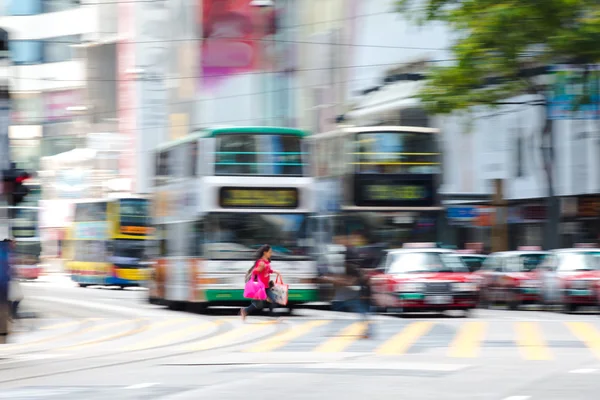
[
  {"x": 512, "y": 301},
  {"x": 484, "y": 299},
  {"x": 568, "y": 308}
]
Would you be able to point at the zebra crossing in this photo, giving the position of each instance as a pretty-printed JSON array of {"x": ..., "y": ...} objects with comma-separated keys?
[{"x": 451, "y": 338}]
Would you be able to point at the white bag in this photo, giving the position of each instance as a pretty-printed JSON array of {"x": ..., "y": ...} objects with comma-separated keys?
[{"x": 15, "y": 293}]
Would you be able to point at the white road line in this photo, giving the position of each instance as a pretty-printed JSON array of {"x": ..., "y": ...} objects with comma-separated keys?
[
  {"x": 141, "y": 385},
  {"x": 518, "y": 398},
  {"x": 583, "y": 371},
  {"x": 391, "y": 366}
]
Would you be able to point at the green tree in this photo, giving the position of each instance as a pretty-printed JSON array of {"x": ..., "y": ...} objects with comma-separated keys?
[{"x": 498, "y": 41}]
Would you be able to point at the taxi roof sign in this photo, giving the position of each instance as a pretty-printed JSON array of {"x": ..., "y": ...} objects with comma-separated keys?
[
  {"x": 419, "y": 245},
  {"x": 529, "y": 248}
]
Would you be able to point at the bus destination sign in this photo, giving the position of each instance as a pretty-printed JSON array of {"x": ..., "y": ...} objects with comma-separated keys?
[
  {"x": 137, "y": 230},
  {"x": 266, "y": 197},
  {"x": 394, "y": 191}
]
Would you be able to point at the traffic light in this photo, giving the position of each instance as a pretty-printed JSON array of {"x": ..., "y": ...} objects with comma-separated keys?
[{"x": 14, "y": 185}]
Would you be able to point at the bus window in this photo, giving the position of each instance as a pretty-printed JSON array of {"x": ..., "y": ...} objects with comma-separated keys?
[
  {"x": 397, "y": 153},
  {"x": 163, "y": 170},
  {"x": 262, "y": 155}
]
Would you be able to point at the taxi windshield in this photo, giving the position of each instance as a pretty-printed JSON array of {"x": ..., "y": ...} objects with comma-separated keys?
[
  {"x": 426, "y": 262},
  {"x": 580, "y": 261},
  {"x": 531, "y": 261}
]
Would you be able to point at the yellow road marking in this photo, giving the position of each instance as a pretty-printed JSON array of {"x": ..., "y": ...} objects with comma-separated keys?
[
  {"x": 402, "y": 341},
  {"x": 531, "y": 342},
  {"x": 226, "y": 338},
  {"x": 285, "y": 337},
  {"x": 18, "y": 346},
  {"x": 345, "y": 338},
  {"x": 172, "y": 336},
  {"x": 59, "y": 326},
  {"x": 109, "y": 337},
  {"x": 467, "y": 342},
  {"x": 588, "y": 334}
]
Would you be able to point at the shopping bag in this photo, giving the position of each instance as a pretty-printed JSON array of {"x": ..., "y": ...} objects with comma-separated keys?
[
  {"x": 255, "y": 289},
  {"x": 280, "y": 292},
  {"x": 15, "y": 293}
]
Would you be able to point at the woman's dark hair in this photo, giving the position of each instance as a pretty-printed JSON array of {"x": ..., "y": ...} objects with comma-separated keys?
[{"x": 262, "y": 250}]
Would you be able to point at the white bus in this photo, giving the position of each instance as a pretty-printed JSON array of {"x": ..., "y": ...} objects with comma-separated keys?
[
  {"x": 220, "y": 194},
  {"x": 378, "y": 186}
]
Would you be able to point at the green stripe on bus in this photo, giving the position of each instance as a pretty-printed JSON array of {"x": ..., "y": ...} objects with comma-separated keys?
[{"x": 301, "y": 295}]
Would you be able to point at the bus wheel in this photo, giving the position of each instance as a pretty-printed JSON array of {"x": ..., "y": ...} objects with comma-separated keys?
[
  {"x": 176, "y": 305},
  {"x": 83, "y": 285}
]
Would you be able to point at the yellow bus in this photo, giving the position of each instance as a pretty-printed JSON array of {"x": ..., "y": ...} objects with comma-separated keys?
[{"x": 108, "y": 242}]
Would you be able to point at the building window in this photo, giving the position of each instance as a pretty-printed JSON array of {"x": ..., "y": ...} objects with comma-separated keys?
[
  {"x": 27, "y": 109},
  {"x": 22, "y": 7},
  {"x": 59, "y": 5},
  {"x": 26, "y": 52},
  {"x": 59, "y": 49}
]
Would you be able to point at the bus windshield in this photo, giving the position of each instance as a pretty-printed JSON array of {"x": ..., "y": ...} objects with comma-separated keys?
[
  {"x": 237, "y": 236},
  {"x": 396, "y": 153},
  {"x": 134, "y": 212},
  {"x": 261, "y": 155}
]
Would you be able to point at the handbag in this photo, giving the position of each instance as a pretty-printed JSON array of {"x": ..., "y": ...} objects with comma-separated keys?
[
  {"x": 279, "y": 292},
  {"x": 255, "y": 289}
]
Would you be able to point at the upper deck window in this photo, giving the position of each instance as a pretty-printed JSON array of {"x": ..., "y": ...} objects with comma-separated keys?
[
  {"x": 396, "y": 153},
  {"x": 255, "y": 154}
]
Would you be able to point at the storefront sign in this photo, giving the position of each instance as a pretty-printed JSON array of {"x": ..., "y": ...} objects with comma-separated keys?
[
  {"x": 231, "y": 197},
  {"x": 462, "y": 213},
  {"x": 394, "y": 191},
  {"x": 588, "y": 207}
]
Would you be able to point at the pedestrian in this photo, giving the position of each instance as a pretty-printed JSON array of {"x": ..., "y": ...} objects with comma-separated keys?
[
  {"x": 15, "y": 293},
  {"x": 262, "y": 270},
  {"x": 352, "y": 287}
]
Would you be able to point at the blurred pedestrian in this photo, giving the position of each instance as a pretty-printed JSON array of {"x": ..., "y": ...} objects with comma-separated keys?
[{"x": 262, "y": 271}]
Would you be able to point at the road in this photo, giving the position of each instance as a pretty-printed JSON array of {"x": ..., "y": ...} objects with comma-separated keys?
[{"x": 99, "y": 343}]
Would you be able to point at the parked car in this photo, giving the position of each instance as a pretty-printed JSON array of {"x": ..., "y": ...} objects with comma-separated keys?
[
  {"x": 511, "y": 278},
  {"x": 572, "y": 279},
  {"x": 425, "y": 279}
]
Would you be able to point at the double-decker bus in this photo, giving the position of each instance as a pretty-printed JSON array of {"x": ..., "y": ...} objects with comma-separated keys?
[
  {"x": 377, "y": 185},
  {"x": 25, "y": 232},
  {"x": 109, "y": 242},
  {"x": 219, "y": 195}
]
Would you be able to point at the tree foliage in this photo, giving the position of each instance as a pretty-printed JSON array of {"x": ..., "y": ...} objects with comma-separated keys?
[{"x": 500, "y": 39}]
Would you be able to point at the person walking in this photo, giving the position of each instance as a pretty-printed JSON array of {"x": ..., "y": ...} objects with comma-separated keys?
[{"x": 262, "y": 270}]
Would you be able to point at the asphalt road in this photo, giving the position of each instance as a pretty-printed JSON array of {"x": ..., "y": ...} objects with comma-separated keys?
[{"x": 98, "y": 343}]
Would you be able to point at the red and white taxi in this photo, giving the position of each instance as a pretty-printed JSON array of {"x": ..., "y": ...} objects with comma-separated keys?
[
  {"x": 574, "y": 277},
  {"x": 423, "y": 279},
  {"x": 511, "y": 277}
]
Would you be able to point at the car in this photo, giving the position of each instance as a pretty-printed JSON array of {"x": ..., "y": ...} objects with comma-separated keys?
[
  {"x": 511, "y": 278},
  {"x": 573, "y": 278},
  {"x": 423, "y": 279}
]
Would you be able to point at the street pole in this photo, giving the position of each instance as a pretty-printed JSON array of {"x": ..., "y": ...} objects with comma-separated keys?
[{"x": 499, "y": 227}]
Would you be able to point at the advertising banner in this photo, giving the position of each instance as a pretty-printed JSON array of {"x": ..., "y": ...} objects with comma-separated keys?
[{"x": 574, "y": 97}]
